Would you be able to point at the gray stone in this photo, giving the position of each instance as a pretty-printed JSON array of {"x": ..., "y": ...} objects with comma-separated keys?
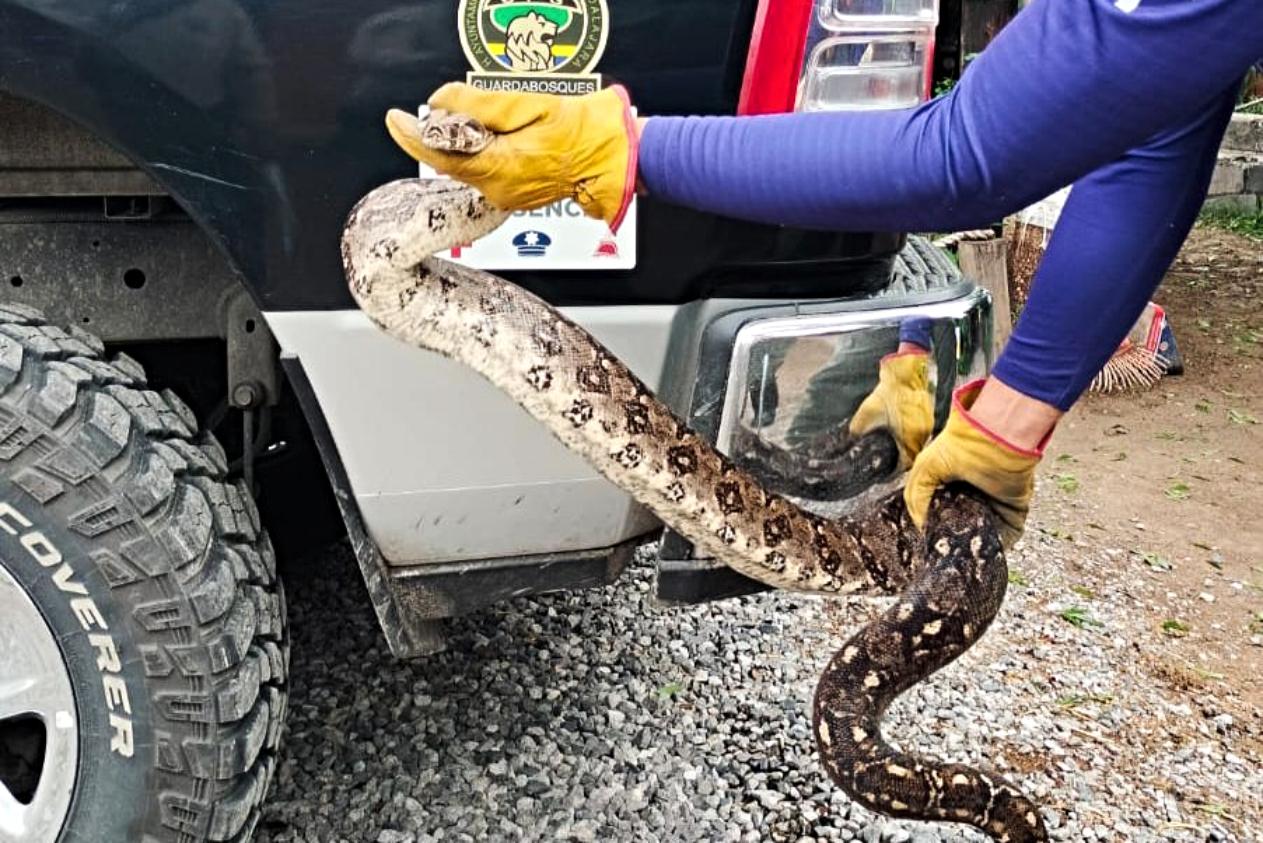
[
  {"x": 1242, "y": 203},
  {"x": 584, "y": 831},
  {"x": 637, "y": 800},
  {"x": 391, "y": 836},
  {"x": 1254, "y": 175},
  {"x": 1229, "y": 177},
  {"x": 1245, "y": 133}
]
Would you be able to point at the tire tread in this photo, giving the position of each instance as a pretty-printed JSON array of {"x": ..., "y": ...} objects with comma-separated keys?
[{"x": 194, "y": 565}]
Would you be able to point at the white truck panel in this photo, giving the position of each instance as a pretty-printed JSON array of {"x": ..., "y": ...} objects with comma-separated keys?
[{"x": 446, "y": 468}]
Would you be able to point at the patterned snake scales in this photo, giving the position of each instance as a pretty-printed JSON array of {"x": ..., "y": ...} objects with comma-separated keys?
[{"x": 949, "y": 583}]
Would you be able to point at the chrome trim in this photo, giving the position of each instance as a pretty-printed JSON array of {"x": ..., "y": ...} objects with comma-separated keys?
[{"x": 852, "y": 341}]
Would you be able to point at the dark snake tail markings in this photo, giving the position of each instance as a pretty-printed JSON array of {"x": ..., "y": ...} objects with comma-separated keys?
[{"x": 949, "y": 584}]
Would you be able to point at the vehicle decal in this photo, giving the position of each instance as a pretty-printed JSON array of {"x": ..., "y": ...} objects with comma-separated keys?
[
  {"x": 606, "y": 248},
  {"x": 539, "y": 46},
  {"x": 532, "y": 244}
]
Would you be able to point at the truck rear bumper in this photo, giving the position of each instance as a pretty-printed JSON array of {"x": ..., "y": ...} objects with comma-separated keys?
[
  {"x": 775, "y": 389},
  {"x": 450, "y": 478},
  {"x": 444, "y": 468}
]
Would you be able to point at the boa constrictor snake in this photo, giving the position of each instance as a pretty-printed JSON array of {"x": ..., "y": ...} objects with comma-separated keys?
[{"x": 949, "y": 583}]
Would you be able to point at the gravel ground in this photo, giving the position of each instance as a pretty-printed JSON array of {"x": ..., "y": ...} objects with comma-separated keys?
[{"x": 597, "y": 716}]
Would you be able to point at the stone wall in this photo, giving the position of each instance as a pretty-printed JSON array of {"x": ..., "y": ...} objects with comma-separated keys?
[{"x": 1238, "y": 181}]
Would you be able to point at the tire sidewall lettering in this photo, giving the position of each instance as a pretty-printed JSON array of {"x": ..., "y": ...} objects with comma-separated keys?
[{"x": 94, "y": 631}]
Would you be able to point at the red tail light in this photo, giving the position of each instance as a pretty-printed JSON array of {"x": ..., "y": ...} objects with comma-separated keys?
[
  {"x": 838, "y": 55},
  {"x": 775, "y": 61}
]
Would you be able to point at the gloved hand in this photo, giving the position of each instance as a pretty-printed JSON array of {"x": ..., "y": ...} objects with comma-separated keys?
[
  {"x": 900, "y": 403},
  {"x": 546, "y": 148},
  {"x": 968, "y": 452}
]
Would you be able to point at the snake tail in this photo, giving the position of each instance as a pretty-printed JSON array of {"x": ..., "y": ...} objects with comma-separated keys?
[{"x": 927, "y": 628}]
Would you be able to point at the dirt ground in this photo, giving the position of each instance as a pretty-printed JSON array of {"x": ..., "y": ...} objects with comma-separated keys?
[
  {"x": 1128, "y": 657},
  {"x": 1169, "y": 483}
]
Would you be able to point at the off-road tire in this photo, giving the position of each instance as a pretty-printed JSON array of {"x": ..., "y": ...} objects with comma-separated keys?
[
  {"x": 116, "y": 477},
  {"x": 922, "y": 267}
]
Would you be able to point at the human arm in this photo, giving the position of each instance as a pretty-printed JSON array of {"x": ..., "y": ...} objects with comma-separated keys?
[
  {"x": 1118, "y": 233},
  {"x": 1065, "y": 88}
]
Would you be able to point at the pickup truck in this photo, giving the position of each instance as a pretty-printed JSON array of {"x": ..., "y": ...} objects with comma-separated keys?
[{"x": 177, "y": 340}]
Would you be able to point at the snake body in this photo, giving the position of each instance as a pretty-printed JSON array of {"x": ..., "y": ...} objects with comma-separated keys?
[{"x": 949, "y": 582}]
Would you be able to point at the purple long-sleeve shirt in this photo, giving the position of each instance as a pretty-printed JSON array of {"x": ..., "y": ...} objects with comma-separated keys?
[{"x": 1127, "y": 100}]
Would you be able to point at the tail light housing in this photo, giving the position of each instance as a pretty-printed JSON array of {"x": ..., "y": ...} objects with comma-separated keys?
[{"x": 839, "y": 55}]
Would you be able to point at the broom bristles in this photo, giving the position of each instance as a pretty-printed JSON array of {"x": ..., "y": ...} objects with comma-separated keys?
[{"x": 1133, "y": 367}]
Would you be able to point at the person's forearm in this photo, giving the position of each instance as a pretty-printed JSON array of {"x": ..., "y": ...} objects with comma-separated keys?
[
  {"x": 916, "y": 334},
  {"x": 1067, "y": 86},
  {"x": 1015, "y": 419},
  {"x": 1120, "y": 229}
]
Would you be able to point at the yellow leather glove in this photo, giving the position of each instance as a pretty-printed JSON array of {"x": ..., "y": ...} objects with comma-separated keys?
[
  {"x": 966, "y": 451},
  {"x": 900, "y": 403},
  {"x": 546, "y": 148}
]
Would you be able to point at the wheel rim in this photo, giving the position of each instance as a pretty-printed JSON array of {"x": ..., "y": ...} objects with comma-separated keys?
[{"x": 36, "y": 703}]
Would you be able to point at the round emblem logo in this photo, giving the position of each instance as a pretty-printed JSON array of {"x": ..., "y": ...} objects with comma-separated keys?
[{"x": 533, "y": 36}]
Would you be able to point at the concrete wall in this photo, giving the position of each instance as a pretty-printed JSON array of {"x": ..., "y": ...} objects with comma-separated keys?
[{"x": 1238, "y": 181}]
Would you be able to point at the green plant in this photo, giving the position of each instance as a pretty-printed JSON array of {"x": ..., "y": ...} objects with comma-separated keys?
[
  {"x": 1174, "y": 628},
  {"x": 1078, "y": 616},
  {"x": 1067, "y": 483},
  {"x": 1246, "y": 341},
  {"x": 944, "y": 86},
  {"x": 1154, "y": 561},
  {"x": 1178, "y": 491},
  {"x": 1017, "y": 578},
  {"x": 1248, "y": 99},
  {"x": 1214, "y": 809},
  {"x": 1247, "y": 224},
  {"x": 669, "y": 690}
]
